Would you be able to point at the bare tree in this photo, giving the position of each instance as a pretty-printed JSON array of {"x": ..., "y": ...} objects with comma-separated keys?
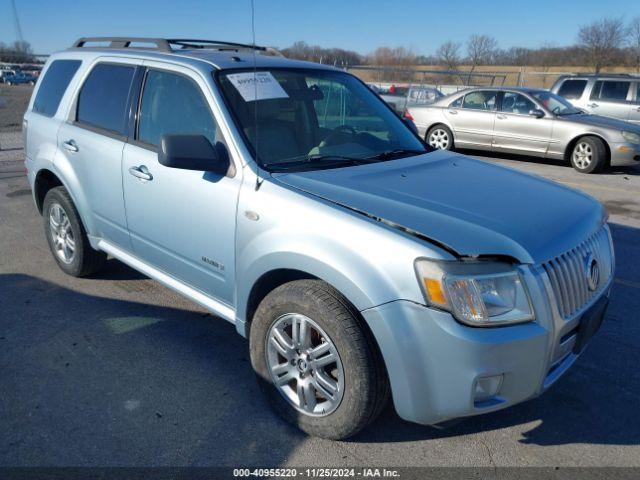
[
  {"x": 17, "y": 52},
  {"x": 601, "y": 40},
  {"x": 480, "y": 50},
  {"x": 633, "y": 39},
  {"x": 448, "y": 54}
]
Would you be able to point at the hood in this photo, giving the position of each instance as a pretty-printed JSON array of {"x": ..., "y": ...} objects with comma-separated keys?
[
  {"x": 603, "y": 122},
  {"x": 469, "y": 206}
]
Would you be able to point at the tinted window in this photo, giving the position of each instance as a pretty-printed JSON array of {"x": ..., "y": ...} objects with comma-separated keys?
[
  {"x": 572, "y": 88},
  {"x": 173, "y": 104},
  {"x": 610, "y": 90},
  {"x": 53, "y": 85},
  {"x": 481, "y": 100},
  {"x": 516, "y": 103},
  {"x": 103, "y": 99}
]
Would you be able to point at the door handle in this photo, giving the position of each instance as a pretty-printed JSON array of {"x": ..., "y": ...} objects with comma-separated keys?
[
  {"x": 592, "y": 105},
  {"x": 70, "y": 145},
  {"x": 453, "y": 112},
  {"x": 141, "y": 172},
  {"x": 501, "y": 117}
]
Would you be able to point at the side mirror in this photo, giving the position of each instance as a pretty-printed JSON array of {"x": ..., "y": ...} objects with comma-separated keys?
[
  {"x": 536, "y": 112},
  {"x": 193, "y": 152}
]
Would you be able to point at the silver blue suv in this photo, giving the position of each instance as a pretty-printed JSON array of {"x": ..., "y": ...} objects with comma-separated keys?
[{"x": 289, "y": 200}]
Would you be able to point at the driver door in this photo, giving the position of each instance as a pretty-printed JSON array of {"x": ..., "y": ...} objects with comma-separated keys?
[
  {"x": 182, "y": 222},
  {"x": 517, "y": 131}
]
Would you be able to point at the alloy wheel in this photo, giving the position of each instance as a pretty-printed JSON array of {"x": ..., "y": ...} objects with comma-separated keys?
[
  {"x": 64, "y": 243},
  {"x": 439, "y": 139},
  {"x": 582, "y": 155},
  {"x": 304, "y": 365}
]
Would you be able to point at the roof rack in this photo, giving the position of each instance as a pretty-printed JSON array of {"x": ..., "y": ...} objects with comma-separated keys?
[{"x": 164, "y": 44}]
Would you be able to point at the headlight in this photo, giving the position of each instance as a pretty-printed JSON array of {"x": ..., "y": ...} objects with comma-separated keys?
[
  {"x": 631, "y": 137},
  {"x": 478, "y": 294}
]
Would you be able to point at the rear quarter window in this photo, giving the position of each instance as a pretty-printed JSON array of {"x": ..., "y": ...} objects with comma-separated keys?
[
  {"x": 102, "y": 102},
  {"x": 572, "y": 89},
  {"x": 53, "y": 85}
]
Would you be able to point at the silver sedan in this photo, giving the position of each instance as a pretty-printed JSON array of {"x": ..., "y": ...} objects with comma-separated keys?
[{"x": 527, "y": 121}]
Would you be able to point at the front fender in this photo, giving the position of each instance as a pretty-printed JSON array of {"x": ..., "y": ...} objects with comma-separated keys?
[{"x": 368, "y": 262}]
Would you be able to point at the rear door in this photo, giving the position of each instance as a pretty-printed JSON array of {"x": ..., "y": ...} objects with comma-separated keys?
[
  {"x": 92, "y": 141},
  {"x": 472, "y": 118},
  {"x": 611, "y": 98},
  {"x": 518, "y": 131}
]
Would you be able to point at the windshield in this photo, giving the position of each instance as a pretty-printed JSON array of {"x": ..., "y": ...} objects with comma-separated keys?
[
  {"x": 555, "y": 104},
  {"x": 314, "y": 119}
]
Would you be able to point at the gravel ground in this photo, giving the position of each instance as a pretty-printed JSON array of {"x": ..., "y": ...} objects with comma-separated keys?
[{"x": 117, "y": 370}]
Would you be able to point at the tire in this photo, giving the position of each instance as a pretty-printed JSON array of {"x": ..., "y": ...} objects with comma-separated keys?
[
  {"x": 588, "y": 155},
  {"x": 67, "y": 237},
  {"x": 357, "y": 370},
  {"x": 440, "y": 137}
]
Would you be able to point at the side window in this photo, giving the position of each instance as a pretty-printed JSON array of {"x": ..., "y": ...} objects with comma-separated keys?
[
  {"x": 173, "y": 104},
  {"x": 572, "y": 89},
  {"x": 102, "y": 102},
  {"x": 611, "y": 90},
  {"x": 480, "y": 100},
  {"x": 53, "y": 86},
  {"x": 456, "y": 103},
  {"x": 516, "y": 103}
]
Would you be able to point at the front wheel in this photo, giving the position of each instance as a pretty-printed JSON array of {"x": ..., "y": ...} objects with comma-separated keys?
[
  {"x": 440, "y": 137},
  {"x": 315, "y": 363},
  {"x": 589, "y": 155}
]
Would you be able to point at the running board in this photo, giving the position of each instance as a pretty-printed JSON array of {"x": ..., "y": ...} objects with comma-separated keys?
[{"x": 198, "y": 297}]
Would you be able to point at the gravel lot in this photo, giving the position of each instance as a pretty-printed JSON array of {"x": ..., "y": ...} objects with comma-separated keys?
[{"x": 117, "y": 370}]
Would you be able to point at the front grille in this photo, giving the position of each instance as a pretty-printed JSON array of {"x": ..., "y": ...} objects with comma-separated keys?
[{"x": 568, "y": 273}]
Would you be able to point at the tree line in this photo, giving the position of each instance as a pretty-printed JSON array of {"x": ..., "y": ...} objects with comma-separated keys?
[{"x": 603, "y": 43}]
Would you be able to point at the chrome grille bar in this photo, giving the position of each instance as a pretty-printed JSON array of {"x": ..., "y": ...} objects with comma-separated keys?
[{"x": 568, "y": 273}]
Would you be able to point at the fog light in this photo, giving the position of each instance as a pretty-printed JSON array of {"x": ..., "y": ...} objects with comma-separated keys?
[{"x": 487, "y": 387}]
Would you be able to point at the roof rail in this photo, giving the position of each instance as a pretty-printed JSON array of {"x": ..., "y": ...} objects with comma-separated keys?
[
  {"x": 165, "y": 45},
  {"x": 602, "y": 74},
  {"x": 123, "y": 42}
]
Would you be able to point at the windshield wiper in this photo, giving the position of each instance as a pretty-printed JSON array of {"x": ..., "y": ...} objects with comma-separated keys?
[
  {"x": 319, "y": 160},
  {"x": 397, "y": 153}
]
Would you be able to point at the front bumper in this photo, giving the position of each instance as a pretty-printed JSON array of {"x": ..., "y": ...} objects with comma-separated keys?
[
  {"x": 625, "y": 154},
  {"x": 434, "y": 362}
]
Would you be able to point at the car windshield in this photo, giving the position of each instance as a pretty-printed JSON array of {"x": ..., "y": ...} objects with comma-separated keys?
[
  {"x": 555, "y": 103},
  {"x": 308, "y": 119}
]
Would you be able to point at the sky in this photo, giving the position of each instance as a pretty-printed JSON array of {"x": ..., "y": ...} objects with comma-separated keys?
[{"x": 355, "y": 25}]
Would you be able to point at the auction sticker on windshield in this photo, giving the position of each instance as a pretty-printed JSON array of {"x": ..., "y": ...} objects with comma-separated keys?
[{"x": 257, "y": 86}]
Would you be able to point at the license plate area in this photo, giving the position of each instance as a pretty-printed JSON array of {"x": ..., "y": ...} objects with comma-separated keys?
[{"x": 590, "y": 323}]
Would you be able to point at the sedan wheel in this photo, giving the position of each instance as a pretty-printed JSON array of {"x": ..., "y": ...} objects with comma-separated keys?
[
  {"x": 440, "y": 137},
  {"x": 304, "y": 364},
  {"x": 589, "y": 155}
]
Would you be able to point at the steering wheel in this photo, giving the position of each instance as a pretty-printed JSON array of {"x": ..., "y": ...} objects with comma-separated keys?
[{"x": 341, "y": 132}]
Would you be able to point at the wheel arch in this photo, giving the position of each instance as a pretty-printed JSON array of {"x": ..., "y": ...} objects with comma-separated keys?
[{"x": 49, "y": 177}]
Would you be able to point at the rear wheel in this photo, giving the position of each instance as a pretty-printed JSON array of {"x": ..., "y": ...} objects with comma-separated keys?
[
  {"x": 315, "y": 363},
  {"x": 589, "y": 155},
  {"x": 66, "y": 235},
  {"x": 440, "y": 137}
]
